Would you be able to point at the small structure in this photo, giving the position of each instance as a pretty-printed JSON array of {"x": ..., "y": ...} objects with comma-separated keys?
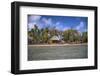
[{"x": 55, "y": 39}]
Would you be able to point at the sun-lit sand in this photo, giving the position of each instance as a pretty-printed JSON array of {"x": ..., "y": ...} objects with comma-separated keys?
[{"x": 56, "y": 44}]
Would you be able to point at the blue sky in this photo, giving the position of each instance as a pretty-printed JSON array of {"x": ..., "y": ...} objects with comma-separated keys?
[{"x": 61, "y": 23}]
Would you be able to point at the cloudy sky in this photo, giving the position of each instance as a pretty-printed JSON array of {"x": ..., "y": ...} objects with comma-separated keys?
[{"x": 58, "y": 22}]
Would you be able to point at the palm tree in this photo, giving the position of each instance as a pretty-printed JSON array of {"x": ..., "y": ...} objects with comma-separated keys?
[
  {"x": 45, "y": 36},
  {"x": 84, "y": 37},
  {"x": 71, "y": 35}
]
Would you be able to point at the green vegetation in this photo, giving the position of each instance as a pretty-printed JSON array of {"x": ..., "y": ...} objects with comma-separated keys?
[
  {"x": 71, "y": 35},
  {"x": 37, "y": 36}
]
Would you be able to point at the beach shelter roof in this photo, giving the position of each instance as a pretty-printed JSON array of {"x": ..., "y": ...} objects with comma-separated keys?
[{"x": 55, "y": 38}]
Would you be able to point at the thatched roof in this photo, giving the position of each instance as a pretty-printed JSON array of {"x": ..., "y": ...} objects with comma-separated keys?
[{"x": 55, "y": 38}]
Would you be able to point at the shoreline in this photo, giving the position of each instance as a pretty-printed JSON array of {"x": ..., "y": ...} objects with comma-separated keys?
[{"x": 57, "y": 44}]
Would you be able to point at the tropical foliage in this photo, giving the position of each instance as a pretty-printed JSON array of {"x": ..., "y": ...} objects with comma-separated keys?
[{"x": 37, "y": 36}]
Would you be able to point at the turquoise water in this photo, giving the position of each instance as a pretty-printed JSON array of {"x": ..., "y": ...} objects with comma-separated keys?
[{"x": 57, "y": 52}]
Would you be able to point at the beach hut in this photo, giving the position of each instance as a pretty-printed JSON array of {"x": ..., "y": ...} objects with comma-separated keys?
[{"x": 55, "y": 39}]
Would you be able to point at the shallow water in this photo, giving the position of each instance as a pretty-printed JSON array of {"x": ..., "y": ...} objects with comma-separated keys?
[{"x": 57, "y": 52}]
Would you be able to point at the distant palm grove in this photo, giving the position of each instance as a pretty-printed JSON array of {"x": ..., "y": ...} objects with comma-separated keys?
[{"x": 51, "y": 36}]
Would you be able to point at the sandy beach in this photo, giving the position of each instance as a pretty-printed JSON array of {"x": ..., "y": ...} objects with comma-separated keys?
[{"x": 57, "y": 44}]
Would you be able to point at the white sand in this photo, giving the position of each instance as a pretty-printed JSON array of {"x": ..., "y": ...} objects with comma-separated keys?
[{"x": 57, "y": 44}]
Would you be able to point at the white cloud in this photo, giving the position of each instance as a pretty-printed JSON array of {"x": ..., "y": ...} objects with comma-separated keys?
[
  {"x": 57, "y": 23},
  {"x": 32, "y": 21},
  {"x": 34, "y": 18},
  {"x": 60, "y": 27},
  {"x": 47, "y": 21},
  {"x": 80, "y": 26},
  {"x": 31, "y": 25},
  {"x": 66, "y": 28}
]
